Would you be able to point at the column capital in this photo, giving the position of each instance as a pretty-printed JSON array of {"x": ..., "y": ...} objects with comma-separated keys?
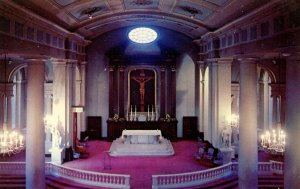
[
  {"x": 219, "y": 61},
  {"x": 63, "y": 61},
  {"x": 35, "y": 60},
  {"x": 121, "y": 68},
  {"x": 111, "y": 68},
  {"x": 246, "y": 59},
  {"x": 162, "y": 68}
]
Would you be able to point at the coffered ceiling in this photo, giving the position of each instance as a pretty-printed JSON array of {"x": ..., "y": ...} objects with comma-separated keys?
[{"x": 91, "y": 18}]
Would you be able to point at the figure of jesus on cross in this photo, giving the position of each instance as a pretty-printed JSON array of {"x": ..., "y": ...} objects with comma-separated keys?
[{"x": 142, "y": 79}]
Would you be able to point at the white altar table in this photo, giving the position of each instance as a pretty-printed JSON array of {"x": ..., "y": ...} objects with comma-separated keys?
[
  {"x": 141, "y": 143},
  {"x": 141, "y": 136}
]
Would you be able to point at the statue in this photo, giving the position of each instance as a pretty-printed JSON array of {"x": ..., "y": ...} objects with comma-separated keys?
[
  {"x": 56, "y": 138},
  {"x": 226, "y": 137}
]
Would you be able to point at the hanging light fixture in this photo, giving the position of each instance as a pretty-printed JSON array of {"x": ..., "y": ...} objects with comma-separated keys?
[
  {"x": 273, "y": 142},
  {"x": 11, "y": 141}
]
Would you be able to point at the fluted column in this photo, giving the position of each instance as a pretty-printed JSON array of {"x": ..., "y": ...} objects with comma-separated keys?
[
  {"x": 18, "y": 100},
  {"x": 35, "y": 132},
  {"x": 248, "y": 173},
  {"x": 292, "y": 152},
  {"x": 219, "y": 97},
  {"x": 162, "y": 91},
  {"x": 82, "y": 96},
  {"x": 111, "y": 91},
  {"x": 9, "y": 111},
  {"x": 1, "y": 110},
  {"x": 235, "y": 90},
  {"x": 202, "y": 99},
  {"x": 70, "y": 101},
  {"x": 173, "y": 92},
  {"x": 121, "y": 91},
  {"x": 61, "y": 102}
]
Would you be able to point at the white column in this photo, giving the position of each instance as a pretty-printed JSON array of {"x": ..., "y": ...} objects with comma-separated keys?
[
  {"x": 62, "y": 99},
  {"x": 248, "y": 176},
  {"x": 1, "y": 110},
  {"x": 48, "y": 111},
  {"x": 35, "y": 135},
  {"x": 201, "y": 96},
  {"x": 235, "y": 90},
  {"x": 9, "y": 110},
  {"x": 18, "y": 100},
  {"x": 70, "y": 92},
  {"x": 219, "y": 97},
  {"x": 292, "y": 152},
  {"x": 82, "y": 96}
]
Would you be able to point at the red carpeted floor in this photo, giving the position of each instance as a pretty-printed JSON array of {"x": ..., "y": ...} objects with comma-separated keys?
[{"x": 140, "y": 168}]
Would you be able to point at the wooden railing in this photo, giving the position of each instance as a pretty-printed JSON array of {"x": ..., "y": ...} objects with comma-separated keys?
[
  {"x": 201, "y": 177},
  {"x": 81, "y": 176}
]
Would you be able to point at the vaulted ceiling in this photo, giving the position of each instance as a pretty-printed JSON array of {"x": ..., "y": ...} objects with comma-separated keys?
[{"x": 91, "y": 18}]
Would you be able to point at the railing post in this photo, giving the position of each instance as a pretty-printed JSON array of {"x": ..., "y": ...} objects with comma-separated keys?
[
  {"x": 127, "y": 184},
  {"x": 154, "y": 182}
]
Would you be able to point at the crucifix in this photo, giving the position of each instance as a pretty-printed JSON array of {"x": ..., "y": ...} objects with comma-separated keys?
[{"x": 142, "y": 79}]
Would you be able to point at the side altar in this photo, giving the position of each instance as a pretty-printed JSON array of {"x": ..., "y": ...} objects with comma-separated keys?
[{"x": 167, "y": 128}]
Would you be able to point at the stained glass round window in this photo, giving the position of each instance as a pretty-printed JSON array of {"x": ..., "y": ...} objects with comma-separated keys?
[{"x": 142, "y": 35}]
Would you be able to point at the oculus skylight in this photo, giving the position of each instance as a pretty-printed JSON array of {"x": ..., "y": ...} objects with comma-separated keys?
[{"x": 142, "y": 35}]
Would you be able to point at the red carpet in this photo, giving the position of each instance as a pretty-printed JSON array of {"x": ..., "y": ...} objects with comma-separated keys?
[{"x": 140, "y": 169}]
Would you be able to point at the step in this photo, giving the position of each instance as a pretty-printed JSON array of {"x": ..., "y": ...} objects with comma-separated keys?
[
  {"x": 270, "y": 186},
  {"x": 58, "y": 183},
  {"x": 12, "y": 185},
  {"x": 228, "y": 182}
]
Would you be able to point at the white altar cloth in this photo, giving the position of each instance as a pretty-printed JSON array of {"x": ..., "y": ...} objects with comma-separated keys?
[
  {"x": 141, "y": 143},
  {"x": 141, "y": 136}
]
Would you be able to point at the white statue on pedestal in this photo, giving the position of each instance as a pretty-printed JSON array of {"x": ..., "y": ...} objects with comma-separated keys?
[
  {"x": 56, "y": 137},
  {"x": 226, "y": 137}
]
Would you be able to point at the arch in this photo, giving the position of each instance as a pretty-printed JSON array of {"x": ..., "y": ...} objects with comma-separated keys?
[{"x": 14, "y": 71}]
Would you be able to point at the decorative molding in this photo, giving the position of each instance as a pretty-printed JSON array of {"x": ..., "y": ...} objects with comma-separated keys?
[{"x": 141, "y": 2}]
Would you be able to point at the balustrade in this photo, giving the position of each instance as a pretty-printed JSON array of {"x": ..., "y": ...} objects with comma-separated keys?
[{"x": 158, "y": 181}]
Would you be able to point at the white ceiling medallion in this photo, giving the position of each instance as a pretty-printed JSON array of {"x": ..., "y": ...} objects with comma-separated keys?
[{"x": 142, "y": 35}]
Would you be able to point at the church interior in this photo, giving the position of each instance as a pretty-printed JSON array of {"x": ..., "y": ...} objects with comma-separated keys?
[{"x": 149, "y": 93}]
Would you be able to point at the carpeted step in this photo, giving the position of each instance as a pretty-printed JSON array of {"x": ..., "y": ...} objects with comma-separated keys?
[
  {"x": 12, "y": 185},
  {"x": 271, "y": 182},
  {"x": 224, "y": 183},
  {"x": 53, "y": 182},
  {"x": 12, "y": 181}
]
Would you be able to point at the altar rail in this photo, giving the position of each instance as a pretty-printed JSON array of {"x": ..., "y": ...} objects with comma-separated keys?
[
  {"x": 81, "y": 176},
  {"x": 201, "y": 177}
]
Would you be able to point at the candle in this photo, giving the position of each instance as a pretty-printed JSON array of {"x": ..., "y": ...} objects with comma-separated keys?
[
  {"x": 135, "y": 111},
  {"x": 130, "y": 110}
]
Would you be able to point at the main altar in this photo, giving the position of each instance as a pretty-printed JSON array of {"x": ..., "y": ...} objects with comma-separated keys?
[
  {"x": 141, "y": 143},
  {"x": 167, "y": 128}
]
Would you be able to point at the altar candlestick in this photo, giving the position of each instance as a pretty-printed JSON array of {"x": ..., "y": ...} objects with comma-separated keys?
[
  {"x": 135, "y": 112},
  {"x": 148, "y": 110}
]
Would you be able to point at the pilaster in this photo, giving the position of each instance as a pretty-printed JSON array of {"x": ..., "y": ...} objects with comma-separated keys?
[{"x": 219, "y": 97}]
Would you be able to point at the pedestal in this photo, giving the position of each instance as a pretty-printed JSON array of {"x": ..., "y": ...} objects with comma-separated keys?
[
  {"x": 226, "y": 154},
  {"x": 57, "y": 155}
]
